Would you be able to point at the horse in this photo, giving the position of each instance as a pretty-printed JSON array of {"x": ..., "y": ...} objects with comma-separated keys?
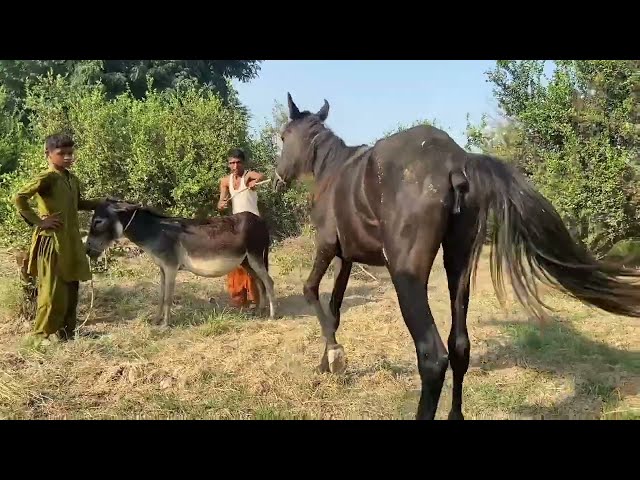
[
  {"x": 207, "y": 248},
  {"x": 394, "y": 203}
]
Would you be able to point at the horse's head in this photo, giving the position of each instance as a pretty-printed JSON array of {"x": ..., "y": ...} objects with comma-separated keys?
[
  {"x": 297, "y": 154},
  {"x": 106, "y": 226}
]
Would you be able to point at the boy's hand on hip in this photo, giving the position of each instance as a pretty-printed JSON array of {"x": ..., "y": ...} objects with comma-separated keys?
[{"x": 52, "y": 222}]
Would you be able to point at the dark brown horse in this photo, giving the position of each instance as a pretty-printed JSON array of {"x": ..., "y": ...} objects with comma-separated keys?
[
  {"x": 208, "y": 248},
  {"x": 395, "y": 203}
]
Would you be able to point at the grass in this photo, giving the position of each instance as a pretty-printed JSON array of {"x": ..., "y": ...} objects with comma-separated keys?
[{"x": 220, "y": 363}]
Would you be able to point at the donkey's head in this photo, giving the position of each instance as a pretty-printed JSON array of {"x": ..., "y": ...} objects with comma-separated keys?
[
  {"x": 107, "y": 225},
  {"x": 298, "y": 135}
]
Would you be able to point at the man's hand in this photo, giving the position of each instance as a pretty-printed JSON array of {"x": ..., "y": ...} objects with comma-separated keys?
[
  {"x": 222, "y": 204},
  {"x": 52, "y": 222}
]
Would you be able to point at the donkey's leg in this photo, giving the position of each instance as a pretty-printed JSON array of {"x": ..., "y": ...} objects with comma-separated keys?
[
  {"x": 333, "y": 358},
  {"x": 457, "y": 255},
  {"x": 169, "y": 286},
  {"x": 257, "y": 264},
  {"x": 262, "y": 291},
  {"x": 158, "y": 317}
]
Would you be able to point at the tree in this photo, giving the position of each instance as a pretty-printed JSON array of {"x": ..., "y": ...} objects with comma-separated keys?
[
  {"x": 576, "y": 136},
  {"x": 119, "y": 76},
  {"x": 400, "y": 127}
]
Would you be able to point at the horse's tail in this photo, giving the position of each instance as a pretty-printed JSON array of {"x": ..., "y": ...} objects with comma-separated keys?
[{"x": 528, "y": 232}]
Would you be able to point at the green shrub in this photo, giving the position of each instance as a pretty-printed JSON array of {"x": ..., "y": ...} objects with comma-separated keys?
[{"x": 168, "y": 150}]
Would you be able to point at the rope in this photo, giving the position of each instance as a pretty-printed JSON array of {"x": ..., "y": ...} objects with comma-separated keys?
[
  {"x": 247, "y": 188},
  {"x": 91, "y": 281},
  {"x": 90, "y": 304}
]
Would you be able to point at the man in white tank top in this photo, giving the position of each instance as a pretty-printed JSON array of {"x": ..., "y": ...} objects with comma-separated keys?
[{"x": 241, "y": 183}]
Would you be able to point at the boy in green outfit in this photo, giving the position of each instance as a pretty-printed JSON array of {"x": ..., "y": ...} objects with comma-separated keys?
[{"x": 57, "y": 255}]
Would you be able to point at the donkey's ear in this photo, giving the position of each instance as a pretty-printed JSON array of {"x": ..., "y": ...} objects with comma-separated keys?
[
  {"x": 293, "y": 109},
  {"x": 323, "y": 113}
]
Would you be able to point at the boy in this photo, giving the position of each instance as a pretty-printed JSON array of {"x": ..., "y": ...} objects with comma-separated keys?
[{"x": 57, "y": 256}]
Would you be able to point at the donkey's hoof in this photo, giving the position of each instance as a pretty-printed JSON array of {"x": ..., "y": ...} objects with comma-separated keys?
[
  {"x": 337, "y": 359},
  {"x": 324, "y": 365}
]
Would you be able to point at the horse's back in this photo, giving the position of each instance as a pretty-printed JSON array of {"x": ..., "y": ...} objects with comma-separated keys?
[{"x": 422, "y": 144}]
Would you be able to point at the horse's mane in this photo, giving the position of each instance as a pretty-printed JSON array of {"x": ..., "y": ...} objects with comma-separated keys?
[{"x": 330, "y": 147}]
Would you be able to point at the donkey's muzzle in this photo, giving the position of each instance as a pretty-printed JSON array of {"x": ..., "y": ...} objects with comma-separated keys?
[
  {"x": 92, "y": 252},
  {"x": 278, "y": 183}
]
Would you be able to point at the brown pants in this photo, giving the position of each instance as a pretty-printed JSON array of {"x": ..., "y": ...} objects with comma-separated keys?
[{"x": 242, "y": 288}]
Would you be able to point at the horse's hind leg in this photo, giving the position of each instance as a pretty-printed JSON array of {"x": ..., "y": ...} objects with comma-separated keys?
[
  {"x": 457, "y": 255},
  {"x": 409, "y": 267},
  {"x": 256, "y": 263}
]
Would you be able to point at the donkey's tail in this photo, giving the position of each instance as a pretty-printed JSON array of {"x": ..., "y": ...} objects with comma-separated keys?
[
  {"x": 528, "y": 232},
  {"x": 265, "y": 257}
]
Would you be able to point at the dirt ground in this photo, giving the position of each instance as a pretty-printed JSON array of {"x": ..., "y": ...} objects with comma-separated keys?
[{"x": 216, "y": 362}]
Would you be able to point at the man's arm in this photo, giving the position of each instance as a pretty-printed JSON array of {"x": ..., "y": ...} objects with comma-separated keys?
[
  {"x": 21, "y": 201},
  {"x": 253, "y": 178},
  {"x": 224, "y": 193}
]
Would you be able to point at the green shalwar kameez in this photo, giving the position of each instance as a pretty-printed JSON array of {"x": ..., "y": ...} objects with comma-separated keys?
[{"x": 56, "y": 258}]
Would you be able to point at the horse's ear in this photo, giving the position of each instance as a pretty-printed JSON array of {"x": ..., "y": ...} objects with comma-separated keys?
[
  {"x": 323, "y": 113},
  {"x": 293, "y": 109}
]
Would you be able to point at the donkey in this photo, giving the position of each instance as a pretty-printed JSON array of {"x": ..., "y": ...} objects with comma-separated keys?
[
  {"x": 393, "y": 204},
  {"x": 207, "y": 248}
]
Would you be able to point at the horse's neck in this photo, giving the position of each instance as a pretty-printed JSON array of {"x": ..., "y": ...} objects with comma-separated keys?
[{"x": 331, "y": 154}]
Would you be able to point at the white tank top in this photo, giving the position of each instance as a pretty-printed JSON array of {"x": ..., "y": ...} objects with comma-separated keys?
[{"x": 246, "y": 201}]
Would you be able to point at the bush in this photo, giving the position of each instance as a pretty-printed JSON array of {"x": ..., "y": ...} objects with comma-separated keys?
[{"x": 168, "y": 150}]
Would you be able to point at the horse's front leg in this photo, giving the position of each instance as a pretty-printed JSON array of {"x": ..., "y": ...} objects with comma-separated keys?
[{"x": 333, "y": 357}]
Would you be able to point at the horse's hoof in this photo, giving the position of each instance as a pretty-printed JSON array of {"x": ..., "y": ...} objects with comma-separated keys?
[
  {"x": 337, "y": 359},
  {"x": 453, "y": 415}
]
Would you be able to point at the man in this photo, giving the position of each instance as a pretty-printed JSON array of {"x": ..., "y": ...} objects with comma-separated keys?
[{"x": 240, "y": 185}]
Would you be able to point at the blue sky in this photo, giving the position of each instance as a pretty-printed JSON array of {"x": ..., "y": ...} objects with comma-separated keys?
[{"x": 371, "y": 97}]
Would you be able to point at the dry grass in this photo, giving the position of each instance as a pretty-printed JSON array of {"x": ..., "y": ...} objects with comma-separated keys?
[{"x": 216, "y": 362}]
